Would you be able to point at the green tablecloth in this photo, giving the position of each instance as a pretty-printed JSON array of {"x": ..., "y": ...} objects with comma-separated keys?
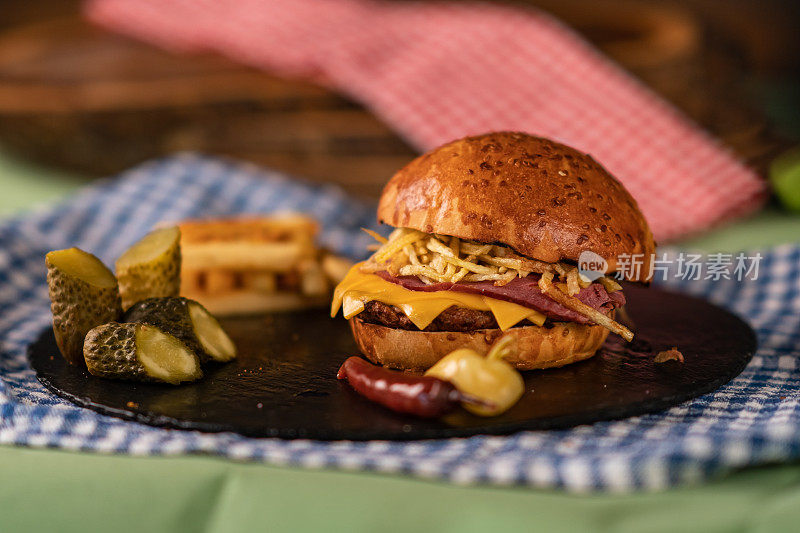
[{"x": 44, "y": 490}]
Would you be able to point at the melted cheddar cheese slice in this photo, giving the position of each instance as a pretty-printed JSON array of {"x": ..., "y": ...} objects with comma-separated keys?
[{"x": 358, "y": 288}]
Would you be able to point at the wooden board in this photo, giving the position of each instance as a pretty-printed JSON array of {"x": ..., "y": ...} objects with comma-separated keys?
[{"x": 284, "y": 382}]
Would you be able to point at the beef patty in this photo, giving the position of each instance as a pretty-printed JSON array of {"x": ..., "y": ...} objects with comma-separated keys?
[{"x": 451, "y": 319}]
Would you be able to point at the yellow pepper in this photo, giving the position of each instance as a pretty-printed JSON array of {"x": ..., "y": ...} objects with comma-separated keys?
[{"x": 490, "y": 379}]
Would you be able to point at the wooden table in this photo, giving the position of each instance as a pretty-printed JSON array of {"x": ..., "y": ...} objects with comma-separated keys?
[{"x": 79, "y": 98}]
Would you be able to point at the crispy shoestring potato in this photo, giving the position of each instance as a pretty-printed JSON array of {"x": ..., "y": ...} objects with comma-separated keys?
[
  {"x": 441, "y": 258},
  {"x": 397, "y": 241},
  {"x": 572, "y": 283},
  {"x": 609, "y": 284},
  {"x": 553, "y": 291},
  {"x": 673, "y": 354},
  {"x": 437, "y": 258},
  {"x": 375, "y": 235}
]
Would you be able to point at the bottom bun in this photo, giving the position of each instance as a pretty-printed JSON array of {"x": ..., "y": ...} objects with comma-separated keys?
[{"x": 536, "y": 347}]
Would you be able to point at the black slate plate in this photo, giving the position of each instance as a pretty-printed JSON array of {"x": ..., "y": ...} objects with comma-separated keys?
[{"x": 284, "y": 384}]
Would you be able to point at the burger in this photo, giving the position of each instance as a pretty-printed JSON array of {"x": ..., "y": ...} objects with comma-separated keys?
[{"x": 489, "y": 234}]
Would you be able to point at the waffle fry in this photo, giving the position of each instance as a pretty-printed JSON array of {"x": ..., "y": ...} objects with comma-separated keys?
[
  {"x": 257, "y": 264},
  {"x": 260, "y": 281}
]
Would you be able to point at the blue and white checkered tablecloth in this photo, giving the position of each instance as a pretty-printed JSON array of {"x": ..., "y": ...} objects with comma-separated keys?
[{"x": 753, "y": 420}]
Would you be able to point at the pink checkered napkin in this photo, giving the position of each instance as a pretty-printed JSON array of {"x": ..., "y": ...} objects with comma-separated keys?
[{"x": 439, "y": 71}]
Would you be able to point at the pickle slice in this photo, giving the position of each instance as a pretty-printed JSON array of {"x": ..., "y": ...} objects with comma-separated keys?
[
  {"x": 210, "y": 334},
  {"x": 189, "y": 321},
  {"x": 83, "y": 294},
  {"x": 139, "y": 352},
  {"x": 151, "y": 267}
]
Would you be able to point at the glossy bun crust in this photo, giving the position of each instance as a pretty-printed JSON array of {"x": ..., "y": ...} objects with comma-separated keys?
[
  {"x": 546, "y": 200},
  {"x": 535, "y": 347}
]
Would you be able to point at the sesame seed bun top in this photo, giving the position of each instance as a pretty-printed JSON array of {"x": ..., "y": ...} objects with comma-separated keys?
[{"x": 545, "y": 200}]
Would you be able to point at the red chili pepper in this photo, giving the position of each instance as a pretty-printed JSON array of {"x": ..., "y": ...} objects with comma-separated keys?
[{"x": 423, "y": 396}]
